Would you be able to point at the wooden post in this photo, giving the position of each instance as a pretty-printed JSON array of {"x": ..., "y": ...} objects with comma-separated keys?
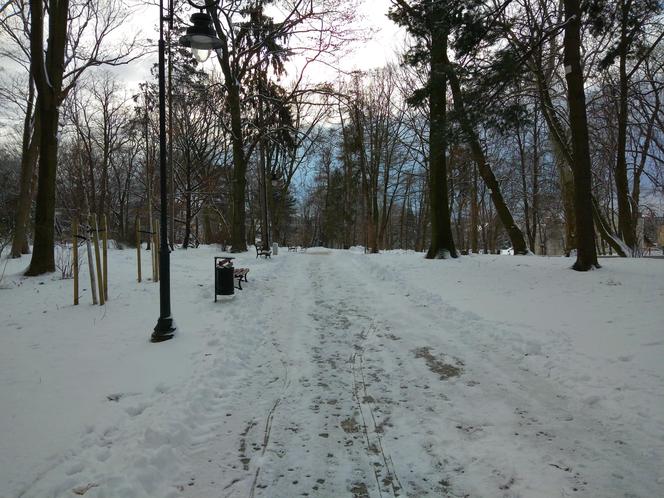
[
  {"x": 105, "y": 257},
  {"x": 74, "y": 237},
  {"x": 138, "y": 246},
  {"x": 100, "y": 275},
  {"x": 91, "y": 266}
]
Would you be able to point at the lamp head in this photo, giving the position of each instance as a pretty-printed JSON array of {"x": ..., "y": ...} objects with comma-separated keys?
[{"x": 201, "y": 37}]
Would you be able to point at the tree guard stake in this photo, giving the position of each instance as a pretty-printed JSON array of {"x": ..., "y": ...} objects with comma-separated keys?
[
  {"x": 138, "y": 246},
  {"x": 75, "y": 253}
]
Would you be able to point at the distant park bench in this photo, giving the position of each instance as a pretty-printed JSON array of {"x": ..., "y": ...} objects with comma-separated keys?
[
  {"x": 292, "y": 248},
  {"x": 266, "y": 253}
]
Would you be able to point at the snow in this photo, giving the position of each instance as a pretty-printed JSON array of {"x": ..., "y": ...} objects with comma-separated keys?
[{"x": 337, "y": 373}]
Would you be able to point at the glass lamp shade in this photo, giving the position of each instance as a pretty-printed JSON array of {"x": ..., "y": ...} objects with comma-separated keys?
[
  {"x": 200, "y": 54},
  {"x": 201, "y": 37}
]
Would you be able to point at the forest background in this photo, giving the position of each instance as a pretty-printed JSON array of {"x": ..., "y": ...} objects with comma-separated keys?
[{"x": 451, "y": 127}]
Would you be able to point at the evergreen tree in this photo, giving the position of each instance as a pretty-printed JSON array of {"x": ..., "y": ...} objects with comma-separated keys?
[
  {"x": 428, "y": 22},
  {"x": 467, "y": 28}
]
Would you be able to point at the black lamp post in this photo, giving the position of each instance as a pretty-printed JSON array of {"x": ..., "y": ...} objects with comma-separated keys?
[{"x": 200, "y": 37}]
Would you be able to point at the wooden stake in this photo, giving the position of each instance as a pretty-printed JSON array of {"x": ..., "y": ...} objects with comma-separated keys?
[
  {"x": 100, "y": 275},
  {"x": 75, "y": 255},
  {"x": 105, "y": 257},
  {"x": 91, "y": 266},
  {"x": 138, "y": 246}
]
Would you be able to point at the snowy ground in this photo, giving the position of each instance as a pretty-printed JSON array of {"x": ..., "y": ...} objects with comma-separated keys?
[{"x": 337, "y": 374}]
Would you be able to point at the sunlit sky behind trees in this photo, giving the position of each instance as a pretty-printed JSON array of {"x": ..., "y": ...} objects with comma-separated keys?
[{"x": 378, "y": 41}]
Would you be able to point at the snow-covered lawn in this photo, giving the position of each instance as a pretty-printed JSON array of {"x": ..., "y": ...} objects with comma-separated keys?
[{"x": 337, "y": 374}]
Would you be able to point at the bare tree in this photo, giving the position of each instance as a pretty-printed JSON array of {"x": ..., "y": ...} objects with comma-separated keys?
[
  {"x": 252, "y": 41},
  {"x": 76, "y": 40}
]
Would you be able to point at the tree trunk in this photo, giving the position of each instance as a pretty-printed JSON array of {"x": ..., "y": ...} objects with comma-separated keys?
[
  {"x": 638, "y": 170},
  {"x": 238, "y": 231},
  {"x": 368, "y": 192},
  {"x": 516, "y": 236},
  {"x": 474, "y": 211},
  {"x": 375, "y": 220},
  {"x": 31, "y": 142},
  {"x": 208, "y": 236},
  {"x": 239, "y": 181},
  {"x": 42, "y": 257},
  {"x": 535, "y": 204},
  {"x": 105, "y": 164},
  {"x": 423, "y": 220},
  {"x": 187, "y": 214},
  {"x": 442, "y": 241},
  {"x": 586, "y": 257},
  {"x": 402, "y": 217},
  {"x": 524, "y": 187},
  {"x": 48, "y": 74},
  {"x": 625, "y": 226},
  {"x": 566, "y": 165}
]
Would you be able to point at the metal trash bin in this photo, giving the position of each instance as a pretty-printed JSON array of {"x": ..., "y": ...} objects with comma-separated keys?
[
  {"x": 224, "y": 284},
  {"x": 275, "y": 249}
]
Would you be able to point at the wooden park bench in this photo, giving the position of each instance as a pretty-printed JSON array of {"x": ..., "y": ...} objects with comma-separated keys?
[
  {"x": 263, "y": 252},
  {"x": 292, "y": 248},
  {"x": 241, "y": 275}
]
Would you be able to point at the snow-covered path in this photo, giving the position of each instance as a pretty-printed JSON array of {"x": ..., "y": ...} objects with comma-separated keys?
[
  {"x": 367, "y": 387},
  {"x": 342, "y": 374},
  {"x": 314, "y": 426}
]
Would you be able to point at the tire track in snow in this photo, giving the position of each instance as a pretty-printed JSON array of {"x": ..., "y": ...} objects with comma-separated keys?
[{"x": 360, "y": 387}]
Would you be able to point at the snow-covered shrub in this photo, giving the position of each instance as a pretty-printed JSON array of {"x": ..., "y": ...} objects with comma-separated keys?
[
  {"x": 64, "y": 260},
  {"x": 3, "y": 265},
  {"x": 4, "y": 243}
]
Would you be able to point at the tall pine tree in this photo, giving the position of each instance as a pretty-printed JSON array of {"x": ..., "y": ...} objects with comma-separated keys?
[
  {"x": 427, "y": 21},
  {"x": 466, "y": 27}
]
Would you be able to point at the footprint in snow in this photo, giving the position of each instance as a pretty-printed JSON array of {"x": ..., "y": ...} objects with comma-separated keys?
[
  {"x": 136, "y": 410},
  {"x": 103, "y": 455},
  {"x": 74, "y": 469}
]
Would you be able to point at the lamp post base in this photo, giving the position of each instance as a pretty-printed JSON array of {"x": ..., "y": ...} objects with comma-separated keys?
[{"x": 164, "y": 330}]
